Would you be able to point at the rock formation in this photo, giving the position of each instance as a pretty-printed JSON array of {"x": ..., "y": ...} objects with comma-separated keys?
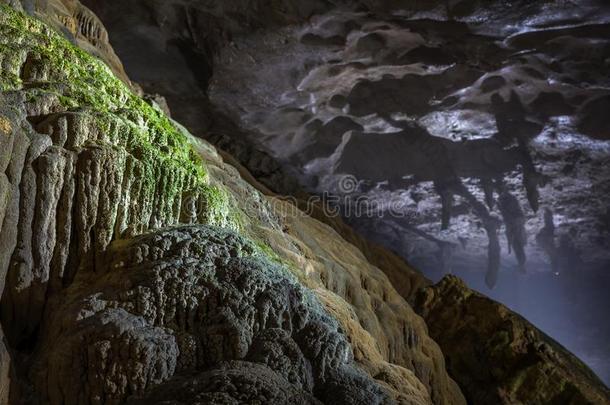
[
  {"x": 497, "y": 357},
  {"x": 196, "y": 303},
  {"x": 89, "y": 163},
  {"x": 138, "y": 264},
  {"x": 300, "y": 77}
]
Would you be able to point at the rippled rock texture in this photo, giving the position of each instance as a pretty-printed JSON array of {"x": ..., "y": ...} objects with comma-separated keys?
[
  {"x": 99, "y": 305},
  {"x": 192, "y": 302},
  {"x": 474, "y": 134},
  {"x": 85, "y": 161},
  {"x": 142, "y": 266}
]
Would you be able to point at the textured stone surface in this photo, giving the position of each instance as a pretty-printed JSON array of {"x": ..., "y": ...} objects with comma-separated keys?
[
  {"x": 88, "y": 162},
  {"x": 503, "y": 172},
  {"x": 186, "y": 300},
  {"x": 77, "y": 171},
  {"x": 256, "y": 383},
  {"x": 5, "y": 370},
  {"x": 78, "y": 24},
  {"x": 390, "y": 341},
  {"x": 439, "y": 119},
  {"x": 498, "y": 357},
  {"x": 112, "y": 297},
  {"x": 81, "y": 176}
]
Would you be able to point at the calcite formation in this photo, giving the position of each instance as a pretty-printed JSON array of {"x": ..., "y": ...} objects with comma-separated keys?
[
  {"x": 465, "y": 101},
  {"x": 89, "y": 164},
  {"x": 80, "y": 172},
  {"x": 196, "y": 300},
  {"x": 139, "y": 264}
]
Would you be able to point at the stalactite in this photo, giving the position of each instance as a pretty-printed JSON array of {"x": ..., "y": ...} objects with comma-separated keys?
[
  {"x": 546, "y": 239},
  {"x": 514, "y": 221},
  {"x": 487, "y": 186},
  {"x": 447, "y": 203},
  {"x": 491, "y": 225}
]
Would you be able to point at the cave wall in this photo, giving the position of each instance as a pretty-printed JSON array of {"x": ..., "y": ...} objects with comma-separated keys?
[
  {"x": 141, "y": 266},
  {"x": 90, "y": 166}
]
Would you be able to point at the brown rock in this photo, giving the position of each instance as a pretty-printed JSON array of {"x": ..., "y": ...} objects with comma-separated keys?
[
  {"x": 498, "y": 357},
  {"x": 5, "y": 368}
]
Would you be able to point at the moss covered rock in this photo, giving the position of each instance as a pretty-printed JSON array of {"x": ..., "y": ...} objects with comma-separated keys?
[{"x": 84, "y": 161}]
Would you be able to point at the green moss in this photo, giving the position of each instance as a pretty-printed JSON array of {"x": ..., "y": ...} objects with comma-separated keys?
[
  {"x": 9, "y": 82},
  {"x": 82, "y": 81},
  {"x": 10, "y": 62},
  {"x": 217, "y": 207},
  {"x": 265, "y": 250},
  {"x": 40, "y": 62}
]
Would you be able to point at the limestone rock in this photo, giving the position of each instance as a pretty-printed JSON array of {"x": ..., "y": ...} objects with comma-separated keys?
[
  {"x": 5, "y": 370},
  {"x": 79, "y": 24},
  {"x": 256, "y": 383},
  {"x": 119, "y": 286},
  {"x": 79, "y": 170},
  {"x": 188, "y": 300},
  {"x": 498, "y": 357},
  {"x": 89, "y": 163}
]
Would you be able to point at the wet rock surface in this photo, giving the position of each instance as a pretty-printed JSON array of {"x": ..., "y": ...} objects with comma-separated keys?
[
  {"x": 196, "y": 299},
  {"x": 78, "y": 24},
  {"x": 76, "y": 178},
  {"x": 110, "y": 295},
  {"x": 464, "y": 138},
  {"x": 499, "y": 90},
  {"x": 362, "y": 285},
  {"x": 87, "y": 167}
]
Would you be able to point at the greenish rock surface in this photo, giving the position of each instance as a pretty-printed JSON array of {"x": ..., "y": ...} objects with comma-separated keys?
[
  {"x": 84, "y": 161},
  {"x": 138, "y": 266}
]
